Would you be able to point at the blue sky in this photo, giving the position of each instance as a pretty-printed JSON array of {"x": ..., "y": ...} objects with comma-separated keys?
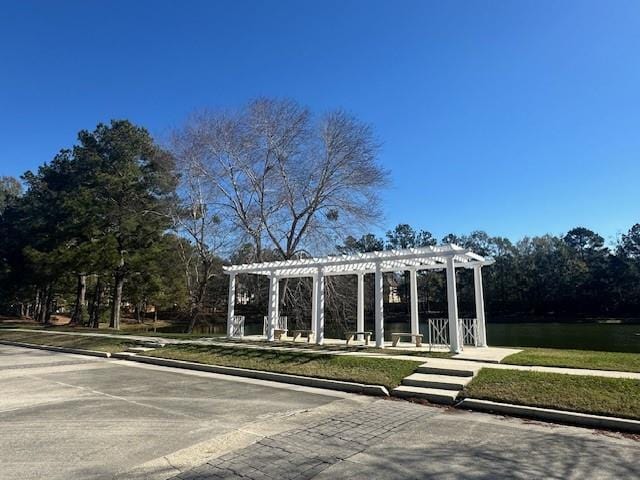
[{"x": 515, "y": 117}]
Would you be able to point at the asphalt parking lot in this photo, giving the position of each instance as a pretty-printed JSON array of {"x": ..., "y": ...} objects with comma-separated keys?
[
  {"x": 74, "y": 417},
  {"x": 68, "y": 416}
]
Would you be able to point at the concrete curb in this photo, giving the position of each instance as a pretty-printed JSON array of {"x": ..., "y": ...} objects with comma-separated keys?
[
  {"x": 78, "y": 351},
  {"x": 550, "y": 415},
  {"x": 351, "y": 387}
]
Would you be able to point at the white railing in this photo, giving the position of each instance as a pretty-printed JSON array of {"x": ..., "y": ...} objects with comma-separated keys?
[
  {"x": 237, "y": 326},
  {"x": 468, "y": 331},
  {"x": 438, "y": 331},
  {"x": 281, "y": 324}
]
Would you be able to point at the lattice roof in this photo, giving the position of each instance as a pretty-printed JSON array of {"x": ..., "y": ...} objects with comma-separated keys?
[{"x": 422, "y": 258}]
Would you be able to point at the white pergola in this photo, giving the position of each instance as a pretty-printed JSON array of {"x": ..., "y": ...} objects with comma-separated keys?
[{"x": 447, "y": 257}]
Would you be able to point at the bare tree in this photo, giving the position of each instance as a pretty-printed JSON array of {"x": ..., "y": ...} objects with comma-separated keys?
[
  {"x": 287, "y": 181},
  {"x": 284, "y": 178},
  {"x": 195, "y": 219}
]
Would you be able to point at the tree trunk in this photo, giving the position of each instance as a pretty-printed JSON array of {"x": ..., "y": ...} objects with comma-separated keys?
[
  {"x": 198, "y": 300},
  {"x": 117, "y": 300},
  {"x": 81, "y": 291},
  {"x": 45, "y": 308},
  {"x": 138, "y": 309},
  {"x": 37, "y": 305},
  {"x": 42, "y": 313},
  {"x": 117, "y": 293},
  {"x": 94, "y": 313}
]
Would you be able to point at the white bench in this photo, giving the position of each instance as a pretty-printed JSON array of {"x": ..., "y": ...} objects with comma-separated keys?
[
  {"x": 351, "y": 335},
  {"x": 395, "y": 338},
  {"x": 298, "y": 333},
  {"x": 278, "y": 333}
]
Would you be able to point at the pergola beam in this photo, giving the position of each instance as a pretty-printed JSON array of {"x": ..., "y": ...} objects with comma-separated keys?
[
  {"x": 302, "y": 272},
  {"x": 425, "y": 257}
]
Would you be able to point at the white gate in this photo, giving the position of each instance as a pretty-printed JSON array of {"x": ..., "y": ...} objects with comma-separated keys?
[
  {"x": 468, "y": 330},
  {"x": 281, "y": 324},
  {"x": 438, "y": 331},
  {"x": 237, "y": 326}
]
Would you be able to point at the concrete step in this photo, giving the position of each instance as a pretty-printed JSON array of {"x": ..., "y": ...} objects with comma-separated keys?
[
  {"x": 153, "y": 344},
  {"x": 449, "y": 371},
  {"x": 434, "y": 395},
  {"x": 138, "y": 349},
  {"x": 430, "y": 380},
  {"x": 123, "y": 355}
]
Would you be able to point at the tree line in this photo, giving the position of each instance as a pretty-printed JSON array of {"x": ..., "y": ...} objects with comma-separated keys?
[
  {"x": 570, "y": 276},
  {"x": 121, "y": 219}
]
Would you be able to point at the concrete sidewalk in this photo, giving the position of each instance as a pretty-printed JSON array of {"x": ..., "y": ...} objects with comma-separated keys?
[
  {"x": 445, "y": 363},
  {"x": 476, "y": 366}
]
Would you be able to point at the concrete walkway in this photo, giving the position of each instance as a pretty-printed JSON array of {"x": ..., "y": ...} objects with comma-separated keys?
[
  {"x": 447, "y": 363},
  {"x": 458, "y": 362},
  {"x": 486, "y": 354}
]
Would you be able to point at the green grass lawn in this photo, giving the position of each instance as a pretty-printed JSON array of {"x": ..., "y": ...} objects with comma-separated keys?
[
  {"x": 379, "y": 371},
  {"x": 103, "y": 344},
  {"x": 145, "y": 330},
  {"x": 618, "y": 397},
  {"x": 551, "y": 357},
  {"x": 128, "y": 329}
]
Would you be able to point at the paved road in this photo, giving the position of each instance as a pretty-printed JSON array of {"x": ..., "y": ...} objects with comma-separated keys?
[{"x": 73, "y": 417}]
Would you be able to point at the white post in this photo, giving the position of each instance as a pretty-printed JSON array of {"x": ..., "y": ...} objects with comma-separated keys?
[
  {"x": 379, "y": 289},
  {"x": 273, "y": 307},
  {"x": 232, "y": 304},
  {"x": 481, "y": 340},
  {"x": 452, "y": 302},
  {"x": 314, "y": 305},
  {"x": 360, "y": 317},
  {"x": 319, "y": 307},
  {"x": 413, "y": 294}
]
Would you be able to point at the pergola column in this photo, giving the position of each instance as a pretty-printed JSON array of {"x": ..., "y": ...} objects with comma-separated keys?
[
  {"x": 360, "y": 307},
  {"x": 273, "y": 307},
  {"x": 314, "y": 305},
  {"x": 413, "y": 295},
  {"x": 481, "y": 340},
  {"x": 379, "y": 308},
  {"x": 318, "y": 293},
  {"x": 452, "y": 302},
  {"x": 231, "y": 306}
]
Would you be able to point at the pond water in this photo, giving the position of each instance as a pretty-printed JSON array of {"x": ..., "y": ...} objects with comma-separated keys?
[
  {"x": 583, "y": 336},
  {"x": 615, "y": 337}
]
